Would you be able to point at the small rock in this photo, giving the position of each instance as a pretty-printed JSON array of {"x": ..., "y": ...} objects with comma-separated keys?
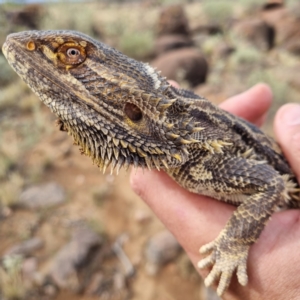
[
  {"x": 209, "y": 294},
  {"x": 293, "y": 45},
  {"x": 119, "y": 281},
  {"x": 186, "y": 64},
  {"x": 5, "y": 212},
  {"x": 170, "y": 42},
  {"x": 257, "y": 32},
  {"x": 273, "y": 4},
  {"x": 50, "y": 290},
  {"x": 40, "y": 196},
  {"x": 285, "y": 23},
  {"x": 161, "y": 249},
  {"x": 72, "y": 256},
  {"x": 142, "y": 216},
  {"x": 29, "y": 268},
  {"x": 95, "y": 283},
  {"x": 27, "y": 17},
  {"x": 109, "y": 285},
  {"x": 26, "y": 248},
  {"x": 120, "y": 253},
  {"x": 207, "y": 29},
  {"x": 223, "y": 51},
  {"x": 173, "y": 20}
]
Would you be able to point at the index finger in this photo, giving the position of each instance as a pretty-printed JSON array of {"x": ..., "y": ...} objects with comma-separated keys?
[{"x": 251, "y": 105}]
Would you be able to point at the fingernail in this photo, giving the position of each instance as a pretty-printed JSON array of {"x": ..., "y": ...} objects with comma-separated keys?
[{"x": 291, "y": 116}]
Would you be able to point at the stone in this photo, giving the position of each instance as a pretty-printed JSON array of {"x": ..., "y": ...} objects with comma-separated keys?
[
  {"x": 209, "y": 294},
  {"x": 142, "y": 216},
  {"x": 28, "y": 16},
  {"x": 29, "y": 269},
  {"x": 169, "y": 42},
  {"x": 41, "y": 196},
  {"x": 71, "y": 256},
  {"x": 285, "y": 23},
  {"x": 161, "y": 249},
  {"x": 26, "y": 248},
  {"x": 272, "y": 4},
  {"x": 172, "y": 20},
  {"x": 94, "y": 284},
  {"x": 187, "y": 64},
  {"x": 256, "y": 31}
]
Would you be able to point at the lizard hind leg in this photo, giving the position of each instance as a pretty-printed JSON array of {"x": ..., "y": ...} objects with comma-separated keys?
[
  {"x": 224, "y": 264},
  {"x": 228, "y": 253}
]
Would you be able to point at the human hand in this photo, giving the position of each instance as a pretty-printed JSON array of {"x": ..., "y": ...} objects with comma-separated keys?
[{"x": 273, "y": 262}]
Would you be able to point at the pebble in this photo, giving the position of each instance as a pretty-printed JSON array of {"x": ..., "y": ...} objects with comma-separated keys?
[
  {"x": 161, "y": 249},
  {"x": 209, "y": 294},
  {"x": 29, "y": 268},
  {"x": 26, "y": 248},
  {"x": 142, "y": 216},
  {"x": 44, "y": 195},
  {"x": 73, "y": 254}
]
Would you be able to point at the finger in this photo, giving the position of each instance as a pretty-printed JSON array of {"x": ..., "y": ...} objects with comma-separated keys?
[
  {"x": 251, "y": 105},
  {"x": 287, "y": 130},
  {"x": 174, "y": 83}
]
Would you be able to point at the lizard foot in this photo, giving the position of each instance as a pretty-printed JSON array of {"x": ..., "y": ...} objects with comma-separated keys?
[{"x": 224, "y": 259}]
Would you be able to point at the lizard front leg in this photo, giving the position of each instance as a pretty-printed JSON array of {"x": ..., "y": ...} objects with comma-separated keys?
[{"x": 229, "y": 251}]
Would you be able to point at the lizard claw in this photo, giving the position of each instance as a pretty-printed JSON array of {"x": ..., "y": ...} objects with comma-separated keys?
[{"x": 224, "y": 262}]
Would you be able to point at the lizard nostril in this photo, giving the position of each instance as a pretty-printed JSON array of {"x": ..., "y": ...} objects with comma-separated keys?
[
  {"x": 133, "y": 112},
  {"x": 30, "y": 46}
]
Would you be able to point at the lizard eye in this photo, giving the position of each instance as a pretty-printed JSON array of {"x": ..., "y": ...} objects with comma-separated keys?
[
  {"x": 71, "y": 54},
  {"x": 133, "y": 112}
]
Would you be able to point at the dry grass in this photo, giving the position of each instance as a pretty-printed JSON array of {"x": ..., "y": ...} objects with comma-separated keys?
[
  {"x": 218, "y": 11},
  {"x": 11, "y": 282},
  {"x": 11, "y": 189}
]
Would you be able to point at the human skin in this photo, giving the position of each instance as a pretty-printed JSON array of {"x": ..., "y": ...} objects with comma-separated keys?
[{"x": 273, "y": 262}]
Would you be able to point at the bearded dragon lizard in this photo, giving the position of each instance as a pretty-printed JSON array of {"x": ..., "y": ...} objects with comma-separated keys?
[{"x": 121, "y": 112}]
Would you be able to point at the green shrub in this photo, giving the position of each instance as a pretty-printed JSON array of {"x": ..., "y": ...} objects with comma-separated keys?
[
  {"x": 136, "y": 44},
  {"x": 218, "y": 11}
]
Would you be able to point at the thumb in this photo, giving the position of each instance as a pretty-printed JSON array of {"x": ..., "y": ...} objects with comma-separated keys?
[{"x": 287, "y": 130}]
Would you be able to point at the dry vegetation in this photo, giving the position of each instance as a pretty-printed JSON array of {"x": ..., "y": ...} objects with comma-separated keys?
[{"x": 33, "y": 151}]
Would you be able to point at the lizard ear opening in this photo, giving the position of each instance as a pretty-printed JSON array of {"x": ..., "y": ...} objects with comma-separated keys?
[{"x": 133, "y": 112}]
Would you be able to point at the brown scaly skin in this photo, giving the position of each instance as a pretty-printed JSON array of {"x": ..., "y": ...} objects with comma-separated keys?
[{"x": 121, "y": 112}]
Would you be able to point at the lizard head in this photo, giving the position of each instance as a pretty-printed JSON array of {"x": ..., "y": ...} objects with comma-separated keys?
[{"x": 120, "y": 111}]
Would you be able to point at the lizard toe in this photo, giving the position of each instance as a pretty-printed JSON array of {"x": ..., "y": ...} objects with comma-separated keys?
[
  {"x": 212, "y": 276},
  {"x": 207, "y": 247},
  {"x": 242, "y": 274},
  {"x": 207, "y": 262}
]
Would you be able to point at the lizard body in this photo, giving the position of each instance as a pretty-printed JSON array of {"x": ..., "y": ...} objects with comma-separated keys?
[{"x": 121, "y": 112}]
